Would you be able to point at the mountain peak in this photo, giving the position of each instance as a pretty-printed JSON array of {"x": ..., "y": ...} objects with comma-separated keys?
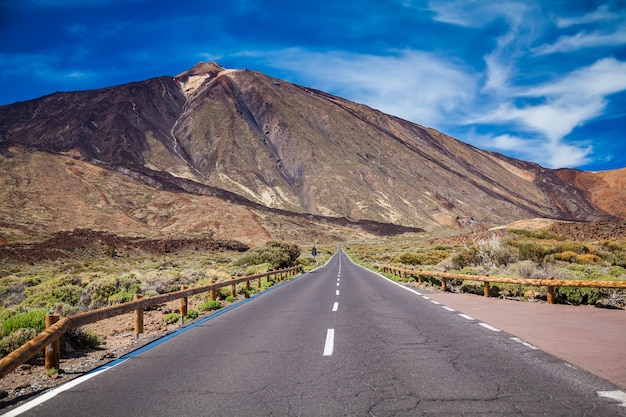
[
  {"x": 202, "y": 68},
  {"x": 193, "y": 78}
]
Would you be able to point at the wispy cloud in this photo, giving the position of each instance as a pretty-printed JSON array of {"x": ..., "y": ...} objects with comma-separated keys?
[
  {"x": 602, "y": 14},
  {"x": 410, "y": 84}
]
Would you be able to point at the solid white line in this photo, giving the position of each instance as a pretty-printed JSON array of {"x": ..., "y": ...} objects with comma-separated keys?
[
  {"x": 335, "y": 306},
  {"x": 465, "y": 316},
  {"x": 448, "y": 308},
  {"x": 619, "y": 396},
  {"x": 518, "y": 340},
  {"x": 330, "y": 342},
  {"x": 53, "y": 393},
  {"x": 490, "y": 327},
  {"x": 435, "y": 302},
  {"x": 337, "y": 292}
]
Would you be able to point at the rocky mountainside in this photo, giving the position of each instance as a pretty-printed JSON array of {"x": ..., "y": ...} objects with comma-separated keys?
[{"x": 242, "y": 155}]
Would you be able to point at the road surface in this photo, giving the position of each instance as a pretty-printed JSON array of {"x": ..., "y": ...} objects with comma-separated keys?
[{"x": 340, "y": 340}]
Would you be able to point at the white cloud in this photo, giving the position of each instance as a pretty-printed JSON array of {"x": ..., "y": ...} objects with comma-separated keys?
[
  {"x": 602, "y": 13},
  {"x": 414, "y": 85},
  {"x": 565, "y": 103},
  {"x": 582, "y": 40}
]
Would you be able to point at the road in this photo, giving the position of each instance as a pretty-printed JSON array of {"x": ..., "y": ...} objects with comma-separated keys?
[{"x": 339, "y": 340}]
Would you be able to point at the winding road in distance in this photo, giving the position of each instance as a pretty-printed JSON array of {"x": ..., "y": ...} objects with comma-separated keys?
[{"x": 339, "y": 340}]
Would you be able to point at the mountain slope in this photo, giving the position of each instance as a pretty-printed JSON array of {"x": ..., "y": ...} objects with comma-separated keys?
[{"x": 256, "y": 141}]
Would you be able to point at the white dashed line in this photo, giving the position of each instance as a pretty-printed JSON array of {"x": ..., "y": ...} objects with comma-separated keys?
[
  {"x": 425, "y": 298},
  {"x": 435, "y": 302},
  {"x": 465, "y": 316},
  {"x": 448, "y": 308},
  {"x": 528, "y": 345},
  {"x": 490, "y": 327},
  {"x": 337, "y": 284},
  {"x": 337, "y": 292},
  {"x": 335, "y": 306},
  {"x": 330, "y": 342},
  {"x": 619, "y": 396}
]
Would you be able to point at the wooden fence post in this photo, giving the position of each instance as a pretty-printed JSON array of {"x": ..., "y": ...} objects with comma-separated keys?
[
  {"x": 233, "y": 289},
  {"x": 486, "y": 288},
  {"x": 53, "y": 350},
  {"x": 183, "y": 303},
  {"x": 444, "y": 286},
  {"x": 138, "y": 317},
  {"x": 212, "y": 292},
  {"x": 550, "y": 294}
]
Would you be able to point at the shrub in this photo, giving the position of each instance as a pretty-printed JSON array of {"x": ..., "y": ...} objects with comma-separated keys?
[
  {"x": 67, "y": 294},
  {"x": 84, "y": 338},
  {"x": 532, "y": 251},
  {"x": 410, "y": 258},
  {"x": 32, "y": 319},
  {"x": 588, "y": 259},
  {"x": 579, "y": 295},
  {"x": 230, "y": 299},
  {"x": 465, "y": 258},
  {"x": 211, "y": 305},
  {"x": 223, "y": 293},
  {"x": 16, "y": 339},
  {"x": 171, "y": 318},
  {"x": 568, "y": 256},
  {"x": 278, "y": 254},
  {"x": 192, "y": 314}
]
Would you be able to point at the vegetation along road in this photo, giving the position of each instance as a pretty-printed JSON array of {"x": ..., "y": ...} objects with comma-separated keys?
[{"x": 339, "y": 340}]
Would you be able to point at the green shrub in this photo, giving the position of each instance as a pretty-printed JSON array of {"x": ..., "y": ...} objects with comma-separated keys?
[
  {"x": 31, "y": 319},
  {"x": 537, "y": 234},
  {"x": 230, "y": 299},
  {"x": 67, "y": 294},
  {"x": 171, "y": 318},
  {"x": 192, "y": 314},
  {"x": 410, "y": 258},
  {"x": 278, "y": 254},
  {"x": 84, "y": 338},
  {"x": 579, "y": 295},
  {"x": 222, "y": 292},
  {"x": 211, "y": 305},
  {"x": 467, "y": 257},
  {"x": 16, "y": 339},
  {"x": 532, "y": 251}
]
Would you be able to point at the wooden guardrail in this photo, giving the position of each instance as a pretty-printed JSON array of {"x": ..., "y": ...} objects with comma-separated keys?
[
  {"x": 48, "y": 339},
  {"x": 550, "y": 283}
]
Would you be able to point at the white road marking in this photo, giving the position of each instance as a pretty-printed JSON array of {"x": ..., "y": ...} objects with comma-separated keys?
[
  {"x": 465, "y": 316},
  {"x": 337, "y": 284},
  {"x": 53, "y": 393},
  {"x": 448, "y": 308},
  {"x": 435, "y": 302},
  {"x": 528, "y": 345},
  {"x": 338, "y": 279},
  {"x": 335, "y": 306},
  {"x": 619, "y": 396},
  {"x": 330, "y": 342},
  {"x": 425, "y": 298},
  {"x": 337, "y": 292},
  {"x": 490, "y": 327}
]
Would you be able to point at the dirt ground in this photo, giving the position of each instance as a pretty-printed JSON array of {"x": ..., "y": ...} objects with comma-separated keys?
[{"x": 117, "y": 339}]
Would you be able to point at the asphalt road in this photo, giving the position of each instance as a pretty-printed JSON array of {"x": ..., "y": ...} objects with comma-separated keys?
[{"x": 337, "y": 341}]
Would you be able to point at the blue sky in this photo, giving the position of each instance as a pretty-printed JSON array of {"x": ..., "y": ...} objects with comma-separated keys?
[{"x": 543, "y": 81}]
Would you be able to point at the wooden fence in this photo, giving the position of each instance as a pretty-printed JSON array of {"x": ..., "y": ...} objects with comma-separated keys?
[
  {"x": 550, "y": 283},
  {"x": 49, "y": 338}
]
